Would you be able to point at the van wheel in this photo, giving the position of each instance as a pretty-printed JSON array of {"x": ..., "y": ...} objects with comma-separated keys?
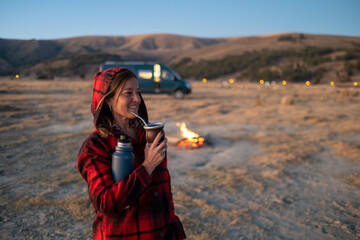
[{"x": 179, "y": 94}]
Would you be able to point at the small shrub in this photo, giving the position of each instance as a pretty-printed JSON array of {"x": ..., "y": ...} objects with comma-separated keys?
[
  {"x": 302, "y": 36},
  {"x": 318, "y": 75},
  {"x": 297, "y": 74},
  {"x": 287, "y": 100},
  {"x": 288, "y": 38},
  {"x": 44, "y": 76}
]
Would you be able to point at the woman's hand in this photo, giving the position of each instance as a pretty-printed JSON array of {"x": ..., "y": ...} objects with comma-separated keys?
[{"x": 155, "y": 153}]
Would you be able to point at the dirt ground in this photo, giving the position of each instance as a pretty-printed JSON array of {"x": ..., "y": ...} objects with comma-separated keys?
[{"x": 283, "y": 163}]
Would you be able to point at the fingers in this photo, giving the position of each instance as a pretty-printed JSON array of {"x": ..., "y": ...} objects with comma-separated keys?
[
  {"x": 161, "y": 145},
  {"x": 154, "y": 154},
  {"x": 158, "y": 148},
  {"x": 157, "y": 139}
]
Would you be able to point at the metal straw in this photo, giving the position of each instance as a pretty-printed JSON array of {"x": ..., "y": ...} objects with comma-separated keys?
[{"x": 140, "y": 119}]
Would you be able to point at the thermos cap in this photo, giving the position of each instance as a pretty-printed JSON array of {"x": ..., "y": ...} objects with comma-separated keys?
[
  {"x": 124, "y": 142},
  {"x": 124, "y": 139}
]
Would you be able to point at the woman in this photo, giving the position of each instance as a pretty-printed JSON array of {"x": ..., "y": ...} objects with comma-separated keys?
[{"x": 139, "y": 206}]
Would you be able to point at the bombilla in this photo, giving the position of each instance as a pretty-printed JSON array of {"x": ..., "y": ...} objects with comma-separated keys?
[{"x": 140, "y": 118}]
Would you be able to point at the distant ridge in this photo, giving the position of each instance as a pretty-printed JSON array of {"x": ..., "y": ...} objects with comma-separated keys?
[
  {"x": 239, "y": 45},
  {"x": 82, "y": 55},
  {"x": 18, "y": 53}
]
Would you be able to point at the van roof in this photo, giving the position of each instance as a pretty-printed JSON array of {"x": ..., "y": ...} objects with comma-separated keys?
[{"x": 129, "y": 63}]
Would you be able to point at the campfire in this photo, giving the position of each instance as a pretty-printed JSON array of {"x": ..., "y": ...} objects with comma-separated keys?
[{"x": 190, "y": 138}]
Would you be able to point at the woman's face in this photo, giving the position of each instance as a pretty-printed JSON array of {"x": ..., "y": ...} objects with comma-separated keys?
[{"x": 128, "y": 100}]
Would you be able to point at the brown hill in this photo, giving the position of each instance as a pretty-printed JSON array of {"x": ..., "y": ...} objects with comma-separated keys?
[
  {"x": 15, "y": 54},
  {"x": 83, "y": 55},
  {"x": 153, "y": 42},
  {"x": 277, "y": 41}
]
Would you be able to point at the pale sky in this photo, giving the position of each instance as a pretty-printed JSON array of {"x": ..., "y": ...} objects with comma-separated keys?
[{"x": 53, "y": 19}]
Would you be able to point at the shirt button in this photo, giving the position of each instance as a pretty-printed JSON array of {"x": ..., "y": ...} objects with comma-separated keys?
[{"x": 156, "y": 194}]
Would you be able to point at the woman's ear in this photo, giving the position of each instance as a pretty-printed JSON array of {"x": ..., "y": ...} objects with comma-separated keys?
[{"x": 108, "y": 101}]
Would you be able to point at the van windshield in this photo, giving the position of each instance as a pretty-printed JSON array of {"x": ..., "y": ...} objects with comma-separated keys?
[{"x": 174, "y": 73}]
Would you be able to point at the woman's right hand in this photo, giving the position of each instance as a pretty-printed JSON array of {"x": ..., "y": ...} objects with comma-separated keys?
[{"x": 155, "y": 153}]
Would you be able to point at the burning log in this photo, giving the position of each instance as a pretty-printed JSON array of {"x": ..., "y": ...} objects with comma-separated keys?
[
  {"x": 190, "y": 138},
  {"x": 195, "y": 143}
]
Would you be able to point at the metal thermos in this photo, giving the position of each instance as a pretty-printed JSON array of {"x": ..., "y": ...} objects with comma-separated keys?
[{"x": 122, "y": 159}]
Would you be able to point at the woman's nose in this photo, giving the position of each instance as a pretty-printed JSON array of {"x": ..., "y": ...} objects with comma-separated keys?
[{"x": 136, "y": 97}]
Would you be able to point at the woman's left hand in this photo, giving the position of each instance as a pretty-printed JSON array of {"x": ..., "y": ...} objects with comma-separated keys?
[{"x": 155, "y": 153}]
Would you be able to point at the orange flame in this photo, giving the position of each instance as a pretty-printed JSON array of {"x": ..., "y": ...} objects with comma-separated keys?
[{"x": 190, "y": 137}]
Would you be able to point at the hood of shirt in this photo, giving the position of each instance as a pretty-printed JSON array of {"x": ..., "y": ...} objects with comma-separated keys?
[{"x": 102, "y": 81}]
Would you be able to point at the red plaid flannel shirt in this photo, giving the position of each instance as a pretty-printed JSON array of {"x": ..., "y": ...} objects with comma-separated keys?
[{"x": 138, "y": 207}]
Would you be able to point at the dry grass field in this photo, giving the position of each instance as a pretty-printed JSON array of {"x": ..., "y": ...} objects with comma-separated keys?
[{"x": 283, "y": 161}]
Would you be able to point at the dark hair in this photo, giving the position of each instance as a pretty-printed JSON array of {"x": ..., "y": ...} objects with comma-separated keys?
[{"x": 105, "y": 119}]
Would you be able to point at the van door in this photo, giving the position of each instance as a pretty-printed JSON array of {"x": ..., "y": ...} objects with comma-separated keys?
[
  {"x": 145, "y": 78},
  {"x": 168, "y": 83}
]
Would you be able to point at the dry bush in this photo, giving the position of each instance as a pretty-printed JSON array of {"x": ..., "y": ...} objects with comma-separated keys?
[
  {"x": 353, "y": 180},
  {"x": 272, "y": 174},
  {"x": 203, "y": 220},
  {"x": 78, "y": 205},
  {"x": 268, "y": 138},
  {"x": 346, "y": 150},
  {"x": 259, "y": 101},
  {"x": 228, "y": 178},
  {"x": 275, "y": 159},
  {"x": 315, "y": 135},
  {"x": 287, "y": 100},
  {"x": 280, "y": 148},
  {"x": 195, "y": 214},
  {"x": 346, "y": 126}
]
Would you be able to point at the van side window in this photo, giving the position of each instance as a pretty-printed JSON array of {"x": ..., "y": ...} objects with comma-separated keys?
[
  {"x": 145, "y": 73},
  {"x": 166, "y": 75}
]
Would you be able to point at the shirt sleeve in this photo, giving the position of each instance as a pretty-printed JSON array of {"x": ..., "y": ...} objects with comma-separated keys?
[{"x": 108, "y": 197}]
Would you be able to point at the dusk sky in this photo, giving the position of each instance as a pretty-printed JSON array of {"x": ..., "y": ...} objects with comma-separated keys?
[{"x": 44, "y": 19}]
